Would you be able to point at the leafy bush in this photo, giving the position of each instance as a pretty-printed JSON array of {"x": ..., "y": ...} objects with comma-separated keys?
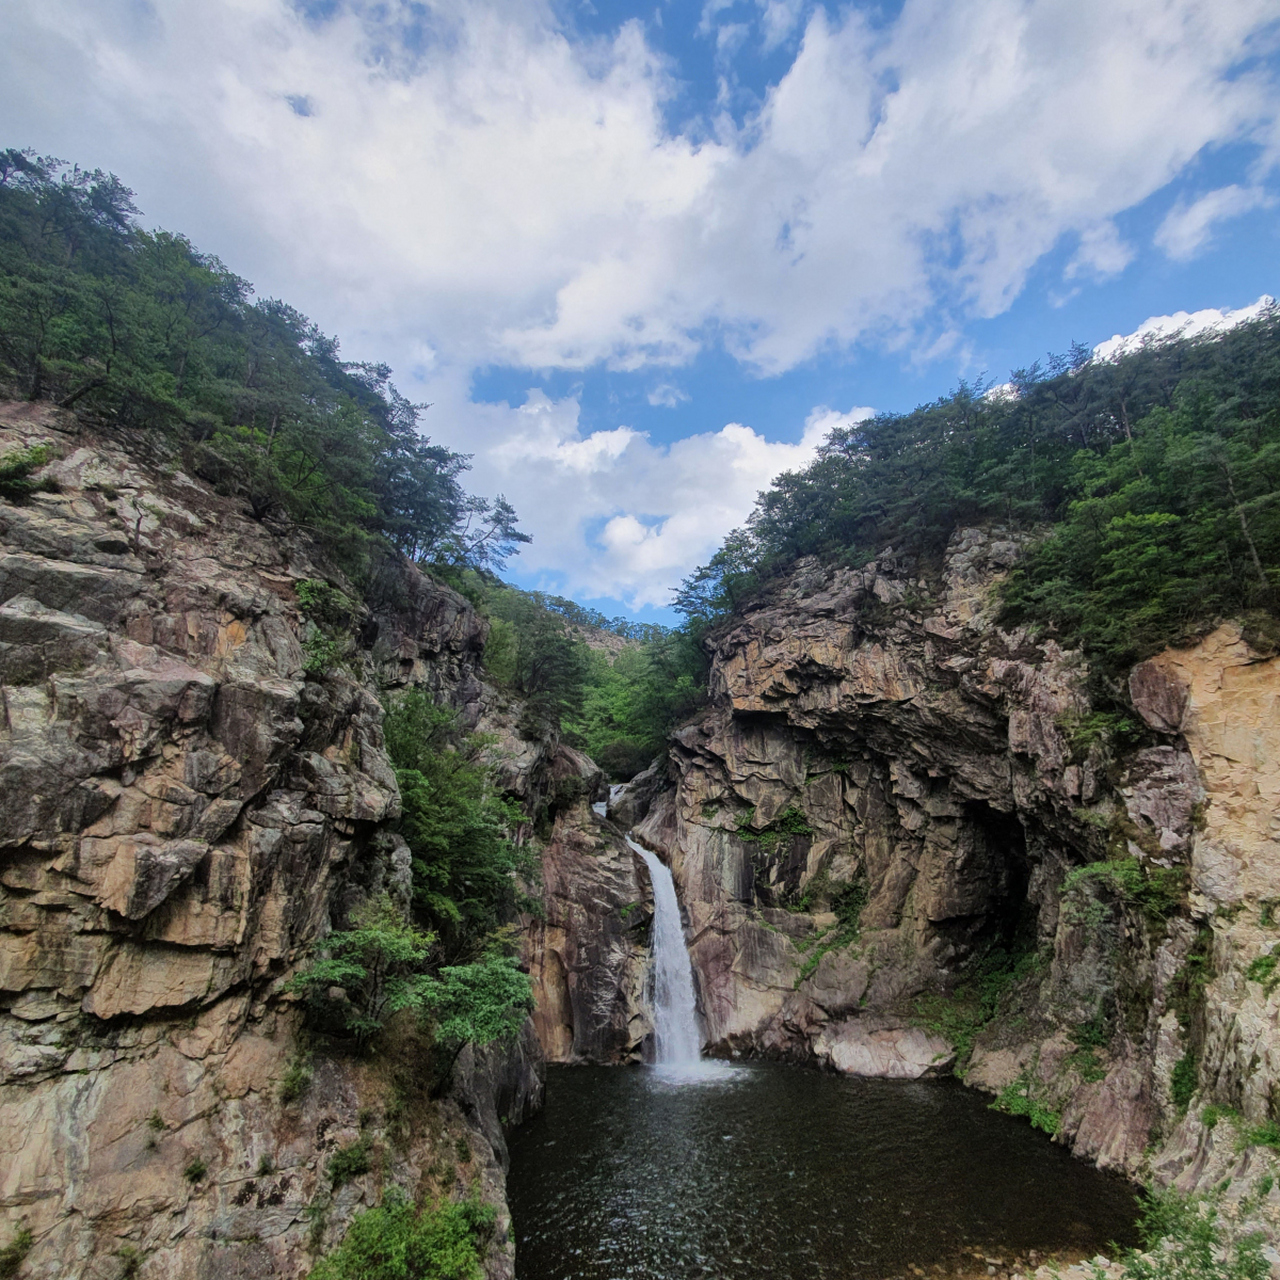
[
  {"x": 1183, "y": 1081},
  {"x": 16, "y": 468},
  {"x": 791, "y": 822},
  {"x": 195, "y": 1170},
  {"x": 1263, "y": 970},
  {"x": 13, "y": 1254},
  {"x": 393, "y": 1241},
  {"x": 296, "y": 1080},
  {"x": 465, "y": 866},
  {"x": 351, "y": 1161},
  {"x": 379, "y": 965},
  {"x": 1018, "y": 1098},
  {"x": 330, "y": 615},
  {"x": 1184, "y": 1239},
  {"x": 1155, "y": 890},
  {"x": 1266, "y": 1134},
  {"x": 476, "y": 1003}
]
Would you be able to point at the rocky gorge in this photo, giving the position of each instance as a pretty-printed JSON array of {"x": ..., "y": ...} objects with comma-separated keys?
[
  {"x": 878, "y": 744},
  {"x": 905, "y": 839}
]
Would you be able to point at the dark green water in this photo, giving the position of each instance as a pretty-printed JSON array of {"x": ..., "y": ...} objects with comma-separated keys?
[{"x": 767, "y": 1172}]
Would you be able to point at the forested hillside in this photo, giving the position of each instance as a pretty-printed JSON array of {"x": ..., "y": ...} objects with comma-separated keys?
[
  {"x": 1154, "y": 476},
  {"x": 142, "y": 328},
  {"x": 612, "y": 687}
]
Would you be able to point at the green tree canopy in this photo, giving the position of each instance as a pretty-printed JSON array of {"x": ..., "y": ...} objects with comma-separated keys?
[
  {"x": 139, "y": 326},
  {"x": 1158, "y": 473}
]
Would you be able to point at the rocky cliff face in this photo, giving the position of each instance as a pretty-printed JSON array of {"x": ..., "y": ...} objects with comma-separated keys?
[
  {"x": 184, "y": 809},
  {"x": 907, "y": 843}
]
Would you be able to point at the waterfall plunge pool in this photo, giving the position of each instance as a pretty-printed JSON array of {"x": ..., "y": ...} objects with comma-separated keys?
[{"x": 771, "y": 1172}]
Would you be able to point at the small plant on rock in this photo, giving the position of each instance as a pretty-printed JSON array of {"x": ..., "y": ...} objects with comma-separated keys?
[
  {"x": 195, "y": 1170},
  {"x": 1263, "y": 971},
  {"x": 12, "y": 1255},
  {"x": 296, "y": 1080},
  {"x": 1018, "y": 1099},
  {"x": 16, "y": 472},
  {"x": 351, "y": 1161}
]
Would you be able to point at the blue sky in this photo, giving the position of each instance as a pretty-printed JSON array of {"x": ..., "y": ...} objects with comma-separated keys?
[{"x": 641, "y": 257}]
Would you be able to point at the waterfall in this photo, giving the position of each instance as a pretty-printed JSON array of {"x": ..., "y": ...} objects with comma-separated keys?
[{"x": 675, "y": 1021}]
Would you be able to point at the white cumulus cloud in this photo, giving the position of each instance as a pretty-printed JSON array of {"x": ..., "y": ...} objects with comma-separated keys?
[
  {"x": 614, "y": 513},
  {"x": 1187, "y": 324},
  {"x": 455, "y": 184}
]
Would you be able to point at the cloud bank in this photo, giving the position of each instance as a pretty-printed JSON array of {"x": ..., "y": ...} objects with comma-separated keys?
[{"x": 463, "y": 183}]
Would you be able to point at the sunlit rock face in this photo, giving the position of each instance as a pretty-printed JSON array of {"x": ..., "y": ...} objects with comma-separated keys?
[
  {"x": 876, "y": 732},
  {"x": 182, "y": 810}
]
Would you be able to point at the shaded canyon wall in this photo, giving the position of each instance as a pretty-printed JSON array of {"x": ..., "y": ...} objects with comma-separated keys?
[{"x": 184, "y": 810}]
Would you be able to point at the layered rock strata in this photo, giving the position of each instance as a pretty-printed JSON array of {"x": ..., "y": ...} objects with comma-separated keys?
[
  {"x": 877, "y": 743},
  {"x": 185, "y": 809}
]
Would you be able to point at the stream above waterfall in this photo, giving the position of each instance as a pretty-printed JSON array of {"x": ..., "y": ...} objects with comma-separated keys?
[{"x": 769, "y": 1172}]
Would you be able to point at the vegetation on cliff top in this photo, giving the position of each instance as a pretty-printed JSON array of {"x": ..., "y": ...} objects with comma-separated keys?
[
  {"x": 100, "y": 314},
  {"x": 1158, "y": 474}
]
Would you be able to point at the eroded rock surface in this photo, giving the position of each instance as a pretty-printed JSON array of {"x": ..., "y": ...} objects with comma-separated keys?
[
  {"x": 183, "y": 811},
  {"x": 876, "y": 741}
]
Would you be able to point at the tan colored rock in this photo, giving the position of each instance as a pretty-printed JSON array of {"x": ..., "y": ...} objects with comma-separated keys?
[
  {"x": 897, "y": 1053},
  {"x": 175, "y": 834}
]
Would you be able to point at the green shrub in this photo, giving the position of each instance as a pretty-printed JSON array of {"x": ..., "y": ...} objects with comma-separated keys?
[
  {"x": 1018, "y": 1099},
  {"x": 466, "y": 868},
  {"x": 324, "y": 604},
  {"x": 379, "y": 964},
  {"x": 1184, "y": 1239},
  {"x": 1266, "y": 1134},
  {"x": 296, "y": 1080},
  {"x": 1095, "y": 728},
  {"x": 196, "y": 1170},
  {"x": 396, "y": 1242},
  {"x": 351, "y": 1161},
  {"x": 16, "y": 468},
  {"x": 12, "y": 1255},
  {"x": 1157, "y": 891},
  {"x": 1183, "y": 1081},
  {"x": 1213, "y": 1113},
  {"x": 1263, "y": 971}
]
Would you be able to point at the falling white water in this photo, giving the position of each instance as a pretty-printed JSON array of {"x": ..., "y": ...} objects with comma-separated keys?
[
  {"x": 602, "y": 806},
  {"x": 675, "y": 1020}
]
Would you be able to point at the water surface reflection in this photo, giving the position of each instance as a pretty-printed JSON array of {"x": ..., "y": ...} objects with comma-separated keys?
[{"x": 766, "y": 1172}]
